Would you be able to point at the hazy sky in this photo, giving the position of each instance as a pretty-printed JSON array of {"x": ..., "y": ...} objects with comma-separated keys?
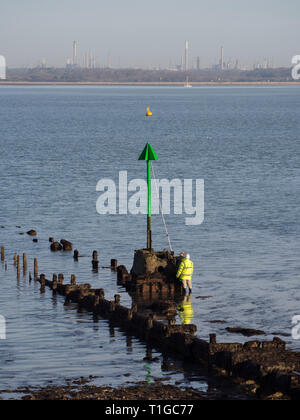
[{"x": 148, "y": 33}]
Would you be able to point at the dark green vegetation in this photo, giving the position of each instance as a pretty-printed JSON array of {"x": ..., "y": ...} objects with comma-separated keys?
[{"x": 146, "y": 76}]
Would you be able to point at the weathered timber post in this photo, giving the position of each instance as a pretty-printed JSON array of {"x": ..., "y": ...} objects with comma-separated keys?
[
  {"x": 36, "y": 268},
  {"x": 114, "y": 265},
  {"x": 213, "y": 339},
  {"x": 24, "y": 264},
  {"x": 95, "y": 261},
  {"x": 18, "y": 266}
]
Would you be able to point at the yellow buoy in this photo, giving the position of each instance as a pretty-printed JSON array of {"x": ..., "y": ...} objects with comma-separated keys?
[{"x": 148, "y": 113}]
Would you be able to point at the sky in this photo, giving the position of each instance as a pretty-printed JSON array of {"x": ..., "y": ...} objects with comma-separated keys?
[{"x": 137, "y": 33}]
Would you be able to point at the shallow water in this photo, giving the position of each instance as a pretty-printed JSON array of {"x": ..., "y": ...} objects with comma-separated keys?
[{"x": 57, "y": 142}]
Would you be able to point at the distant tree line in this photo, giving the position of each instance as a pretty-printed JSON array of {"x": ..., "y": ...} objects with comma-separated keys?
[{"x": 144, "y": 76}]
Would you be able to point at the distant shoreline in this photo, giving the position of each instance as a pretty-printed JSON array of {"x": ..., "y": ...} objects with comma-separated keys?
[{"x": 180, "y": 84}]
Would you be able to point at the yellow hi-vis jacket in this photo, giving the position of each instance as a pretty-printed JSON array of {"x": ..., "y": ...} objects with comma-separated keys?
[{"x": 186, "y": 270}]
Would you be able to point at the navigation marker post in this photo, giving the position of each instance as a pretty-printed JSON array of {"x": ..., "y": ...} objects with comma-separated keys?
[{"x": 148, "y": 155}]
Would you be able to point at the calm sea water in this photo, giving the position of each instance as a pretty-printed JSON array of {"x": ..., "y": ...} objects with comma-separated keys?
[{"x": 57, "y": 142}]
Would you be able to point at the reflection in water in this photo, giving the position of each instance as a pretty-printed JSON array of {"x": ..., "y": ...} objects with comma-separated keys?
[
  {"x": 160, "y": 299},
  {"x": 54, "y": 301},
  {"x": 186, "y": 310},
  {"x": 149, "y": 373},
  {"x": 129, "y": 346}
]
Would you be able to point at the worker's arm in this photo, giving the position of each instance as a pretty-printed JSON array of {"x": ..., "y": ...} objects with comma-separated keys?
[{"x": 180, "y": 270}]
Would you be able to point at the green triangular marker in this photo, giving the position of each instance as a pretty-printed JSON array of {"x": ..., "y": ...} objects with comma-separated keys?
[{"x": 149, "y": 155}]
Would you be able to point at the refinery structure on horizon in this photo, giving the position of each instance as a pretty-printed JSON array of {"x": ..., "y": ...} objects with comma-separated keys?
[{"x": 88, "y": 60}]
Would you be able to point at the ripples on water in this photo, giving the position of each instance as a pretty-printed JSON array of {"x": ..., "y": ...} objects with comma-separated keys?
[{"x": 56, "y": 143}]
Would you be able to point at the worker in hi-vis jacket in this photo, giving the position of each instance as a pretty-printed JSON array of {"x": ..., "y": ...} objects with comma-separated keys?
[{"x": 185, "y": 273}]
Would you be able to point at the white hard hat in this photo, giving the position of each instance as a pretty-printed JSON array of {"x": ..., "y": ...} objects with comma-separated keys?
[{"x": 188, "y": 257}]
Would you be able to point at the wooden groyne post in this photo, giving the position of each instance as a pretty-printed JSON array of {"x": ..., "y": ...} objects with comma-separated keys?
[
  {"x": 18, "y": 266},
  {"x": 36, "y": 268},
  {"x": 24, "y": 264},
  {"x": 95, "y": 261}
]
